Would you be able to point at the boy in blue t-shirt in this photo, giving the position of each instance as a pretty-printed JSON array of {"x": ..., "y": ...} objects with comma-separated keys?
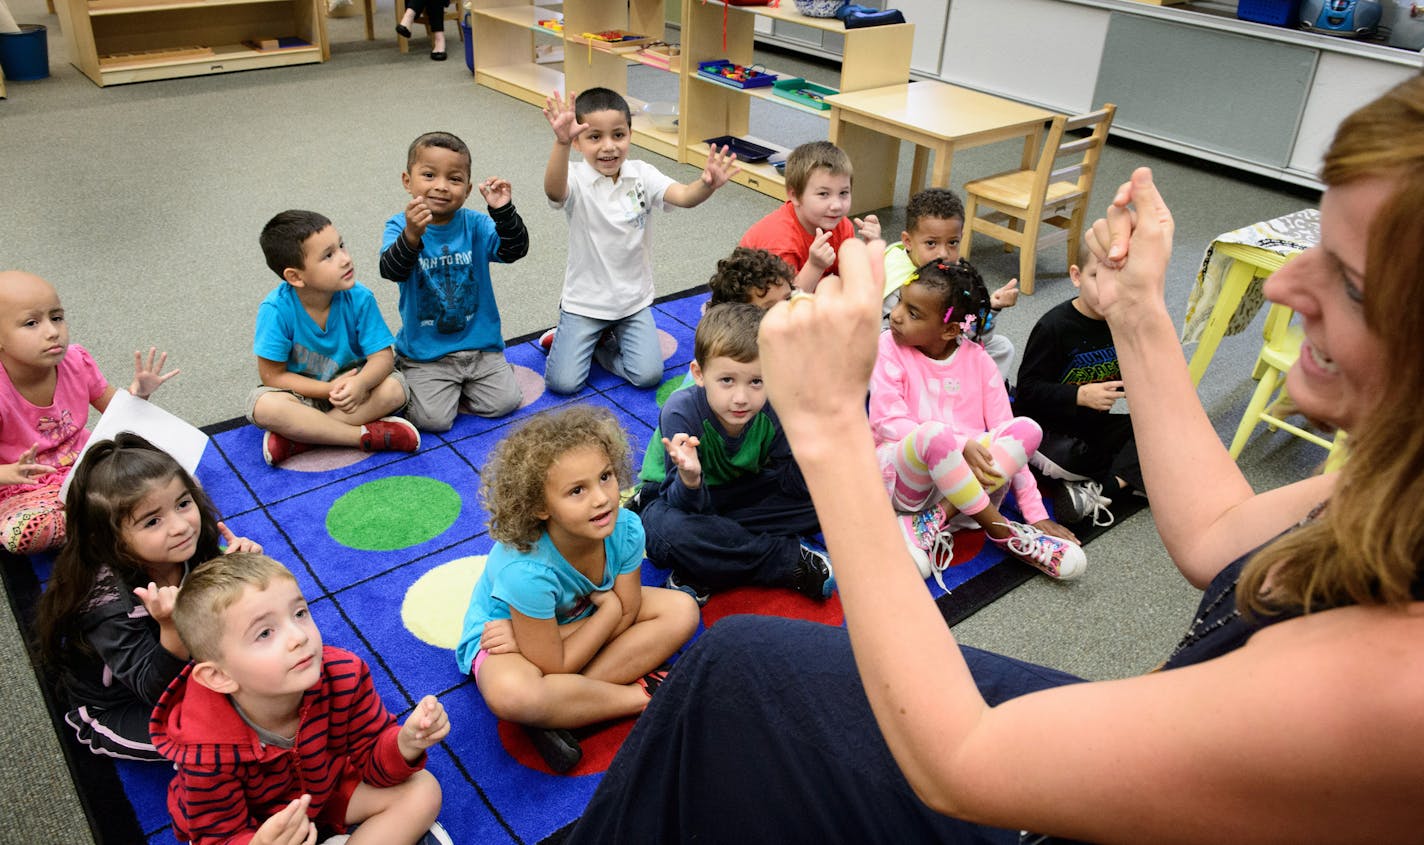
[
  {"x": 323, "y": 351},
  {"x": 730, "y": 505},
  {"x": 450, "y": 345}
]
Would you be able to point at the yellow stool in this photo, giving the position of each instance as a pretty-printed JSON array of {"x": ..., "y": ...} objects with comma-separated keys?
[
  {"x": 1278, "y": 355},
  {"x": 1249, "y": 263}
]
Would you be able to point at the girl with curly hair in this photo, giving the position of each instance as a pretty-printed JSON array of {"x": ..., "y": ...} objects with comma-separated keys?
[
  {"x": 561, "y": 632},
  {"x": 138, "y": 523}
]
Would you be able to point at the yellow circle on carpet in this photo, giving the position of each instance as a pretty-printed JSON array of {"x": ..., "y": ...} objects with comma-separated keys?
[{"x": 435, "y": 605}]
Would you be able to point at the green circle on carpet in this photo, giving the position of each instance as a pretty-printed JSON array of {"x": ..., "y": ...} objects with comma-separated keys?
[
  {"x": 393, "y": 513},
  {"x": 666, "y": 388}
]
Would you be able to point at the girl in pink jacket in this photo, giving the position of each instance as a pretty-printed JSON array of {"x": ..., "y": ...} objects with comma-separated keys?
[{"x": 947, "y": 440}]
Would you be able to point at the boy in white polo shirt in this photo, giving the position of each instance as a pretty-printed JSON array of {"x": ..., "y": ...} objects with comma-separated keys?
[{"x": 605, "y": 312}]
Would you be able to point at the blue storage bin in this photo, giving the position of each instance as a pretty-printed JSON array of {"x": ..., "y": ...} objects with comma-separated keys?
[
  {"x": 24, "y": 55},
  {"x": 1274, "y": 12}
]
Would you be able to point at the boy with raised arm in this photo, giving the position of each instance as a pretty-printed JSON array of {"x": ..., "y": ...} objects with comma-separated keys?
[{"x": 605, "y": 312}]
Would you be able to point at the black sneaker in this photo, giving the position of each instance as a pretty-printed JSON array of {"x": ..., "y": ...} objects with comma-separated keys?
[
  {"x": 557, "y": 746},
  {"x": 699, "y": 594},
  {"x": 654, "y": 679},
  {"x": 814, "y": 576}
]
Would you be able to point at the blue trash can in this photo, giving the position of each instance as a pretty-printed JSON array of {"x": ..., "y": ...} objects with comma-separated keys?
[
  {"x": 468, "y": 36},
  {"x": 24, "y": 55}
]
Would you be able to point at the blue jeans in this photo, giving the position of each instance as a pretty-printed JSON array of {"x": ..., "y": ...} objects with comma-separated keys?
[
  {"x": 763, "y": 733},
  {"x": 633, "y": 354}
]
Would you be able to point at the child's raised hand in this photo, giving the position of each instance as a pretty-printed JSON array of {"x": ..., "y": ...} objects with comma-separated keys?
[
  {"x": 497, "y": 192},
  {"x": 288, "y": 826},
  {"x": 1006, "y": 296},
  {"x": 25, "y": 470},
  {"x": 560, "y": 114},
  {"x": 426, "y": 726},
  {"x": 1101, "y": 395},
  {"x": 147, "y": 376},
  {"x": 821, "y": 254},
  {"x": 158, "y": 601},
  {"x": 981, "y": 463},
  {"x": 721, "y": 166},
  {"x": 233, "y": 543},
  {"x": 498, "y": 637},
  {"x": 867, "y": 227},
  {"x": 1053, "y": 529},
  {"x": 417, "y": 216},
  {"x": 682, "y": 451}
]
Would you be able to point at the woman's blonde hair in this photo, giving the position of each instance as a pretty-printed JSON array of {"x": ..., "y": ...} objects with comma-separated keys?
[
  {"x": 1368, "y": 545},
  {"x": 513, "y": 486}
]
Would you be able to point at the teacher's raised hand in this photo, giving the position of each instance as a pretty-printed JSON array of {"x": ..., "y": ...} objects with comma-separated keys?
[
  {"x": 817, "y": 350},
  {"x": 1133, "y": 246}
]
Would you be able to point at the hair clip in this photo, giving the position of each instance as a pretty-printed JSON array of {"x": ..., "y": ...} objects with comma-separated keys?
[
  {"x": 967, "y": 324},
  {"x": 948, "y": 314},
  {"x": 913, "y": 277}
]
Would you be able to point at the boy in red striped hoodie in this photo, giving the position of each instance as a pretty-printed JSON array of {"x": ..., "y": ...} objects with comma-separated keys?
[{"x": 278, "y": 739}]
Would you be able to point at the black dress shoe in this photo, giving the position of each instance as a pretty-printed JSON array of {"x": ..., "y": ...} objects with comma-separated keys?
[
  {"x": 438, "y": 56},
  {"x": 402, "y": 31}
]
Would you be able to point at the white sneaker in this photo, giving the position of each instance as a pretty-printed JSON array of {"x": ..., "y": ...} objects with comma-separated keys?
[
  {"x": 929, "y": 541},
  {"x": 1055, "y": 557},
  {"x": 1079, "y": 500},
  {"x": 1050, "y": 468}
]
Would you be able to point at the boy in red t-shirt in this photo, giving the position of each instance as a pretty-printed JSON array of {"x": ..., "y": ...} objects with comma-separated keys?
[{"x": 807, "y": 231}]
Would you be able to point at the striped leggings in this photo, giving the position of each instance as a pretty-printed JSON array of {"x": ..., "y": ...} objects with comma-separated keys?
[
  {"x": 32, "y": 521},
  {"x": 928, "y": 466}
]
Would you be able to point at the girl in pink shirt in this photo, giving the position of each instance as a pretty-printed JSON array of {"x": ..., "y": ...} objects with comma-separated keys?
[
  {"x": 944, "y": 432},
  {"x": 46, "y": 388}
]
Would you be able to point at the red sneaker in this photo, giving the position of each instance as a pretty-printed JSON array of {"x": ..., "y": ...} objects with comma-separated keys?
[
  {"x": 276, "y": 448},
  {"x": 546, "y": 340},
  {"x": 389, "y": 434}
]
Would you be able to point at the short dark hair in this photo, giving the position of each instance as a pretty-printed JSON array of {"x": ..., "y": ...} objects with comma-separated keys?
[
  {"x": 283, "y": 236},
  {"x": 958, "y": 285},
  {"x": 934, "y": 203},
  {"x": 601, "y": 99},
  {"x": 745, "y": 272},
  {"x": 728, "y": 330},
  {"x": 443, "y": 140}
]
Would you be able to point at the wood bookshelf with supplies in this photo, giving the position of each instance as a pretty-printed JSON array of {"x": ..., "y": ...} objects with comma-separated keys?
[{"x": 119, "y": 41}]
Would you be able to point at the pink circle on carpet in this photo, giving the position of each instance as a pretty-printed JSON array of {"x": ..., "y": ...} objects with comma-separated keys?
[
  {"x": 325, "y": 459},
  {"x": 667, "y": 344},
  {"x": 599, "y": 744},
  {"x": 531, "y": 384}
]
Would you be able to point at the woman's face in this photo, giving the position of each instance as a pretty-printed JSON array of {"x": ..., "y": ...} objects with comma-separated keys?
[{"x": 1342, "y": 369}]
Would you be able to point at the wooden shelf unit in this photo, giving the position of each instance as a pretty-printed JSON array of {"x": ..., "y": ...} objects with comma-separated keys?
[
  {"x": 873, "y": 56},
  {"x": 504, "y": 54},
  {"x": 119, "y": 41}
]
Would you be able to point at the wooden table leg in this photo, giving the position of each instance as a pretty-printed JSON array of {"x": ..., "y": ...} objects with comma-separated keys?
[
  {"x": 943, "y": 158},
  {"x": 917, "y": 172},
  {"x": 370, "y": 20},
  {"x": 1030, "y": 149}
]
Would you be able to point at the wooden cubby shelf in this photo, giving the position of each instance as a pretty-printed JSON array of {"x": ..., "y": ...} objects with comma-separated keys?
[{"x": 119, "y": 41}]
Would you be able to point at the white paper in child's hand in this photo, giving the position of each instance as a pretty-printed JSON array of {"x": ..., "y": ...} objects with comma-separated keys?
[{"x": 172, "y": 434}]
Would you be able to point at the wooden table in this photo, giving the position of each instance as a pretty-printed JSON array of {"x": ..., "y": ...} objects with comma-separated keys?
[{"x": 934, "y": 116}]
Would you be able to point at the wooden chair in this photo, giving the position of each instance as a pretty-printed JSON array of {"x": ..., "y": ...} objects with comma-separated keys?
[
  {"x": 1015, "y": 205},
  {"x": 1277, "y": 356},
  {"x": 452, "y": 12}
]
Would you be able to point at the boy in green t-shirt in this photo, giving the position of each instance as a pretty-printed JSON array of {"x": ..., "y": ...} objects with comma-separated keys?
[{"x": 729, "y": 506}]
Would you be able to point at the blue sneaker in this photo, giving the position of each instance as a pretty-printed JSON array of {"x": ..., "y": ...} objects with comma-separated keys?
[
  {"x": 814, "y": 577},
  {"x": 698, "y": 594}
]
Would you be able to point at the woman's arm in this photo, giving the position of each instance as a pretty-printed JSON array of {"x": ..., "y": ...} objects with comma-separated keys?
[
  {"x": 1269, "y": 742},
  {"x": 1206, "y": 512}
]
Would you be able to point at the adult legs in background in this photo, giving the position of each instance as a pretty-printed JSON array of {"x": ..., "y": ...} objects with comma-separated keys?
[{"x": 762, "y": 733}]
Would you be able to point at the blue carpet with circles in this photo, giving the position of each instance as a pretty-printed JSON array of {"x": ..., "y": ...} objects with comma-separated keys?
[{"x": 386, "y": 548}]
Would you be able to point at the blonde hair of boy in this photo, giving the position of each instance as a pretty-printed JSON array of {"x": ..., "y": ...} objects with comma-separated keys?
[
  {"x": 805, "y": 159},
  {"x": 211, "y": 589}
]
